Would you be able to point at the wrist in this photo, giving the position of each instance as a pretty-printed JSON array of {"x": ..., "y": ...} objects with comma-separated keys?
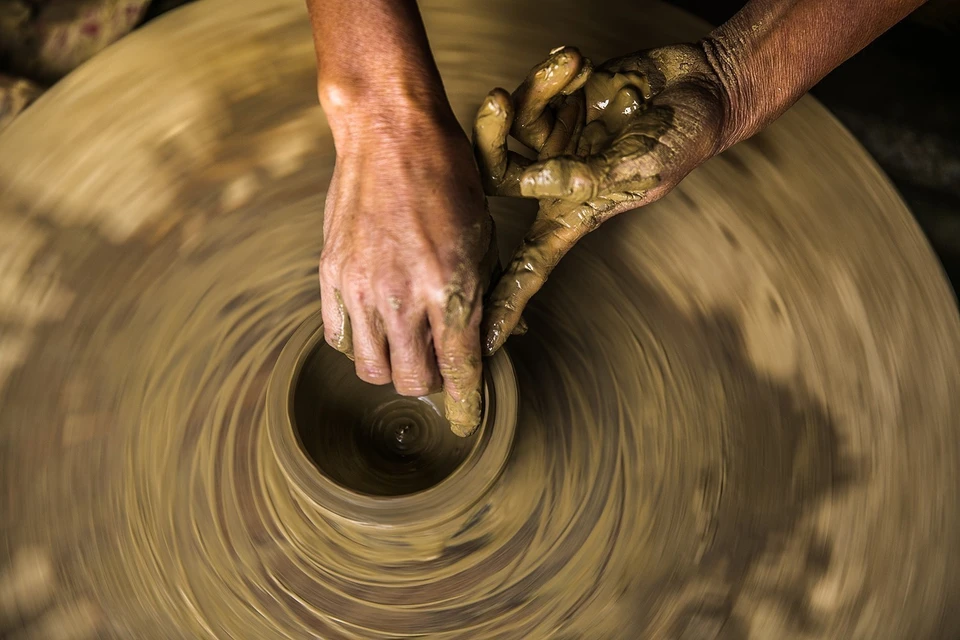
[
  {"x": 760, "y": 79},
  {"x": 726, "y": 66},
  {"x": 358, "y": 110}
]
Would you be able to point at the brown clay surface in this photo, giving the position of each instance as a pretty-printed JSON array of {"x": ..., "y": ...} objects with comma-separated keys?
[{"x": 738, "y": 408}]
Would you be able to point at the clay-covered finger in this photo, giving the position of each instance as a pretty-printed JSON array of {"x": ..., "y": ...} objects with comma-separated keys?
[
  {"x": 533, "y": 121},
  {"x": 566, "y": 178},
  {"x": 456, "y": 337},
  {"x": 413, "y": 363},
  {"x": 500, "y": 168},
  {"x": 622, "y": 109},
  {"x": 532, "y": 264},
  {"x": 458, "y": 357},
  {"x": 579, "y": 80},
  {"x": 337, "y": 330},
  {"x": 567, "y": 126},
  {"x": 603, "y": 87}
]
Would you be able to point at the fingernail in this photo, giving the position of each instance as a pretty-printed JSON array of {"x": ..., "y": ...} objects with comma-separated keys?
[
  {"x": 463, "y": 430},
  {"x": 558, "y": 49},
  {"x": 557, "y": 60},
  {"x": 492, "y": 106}
]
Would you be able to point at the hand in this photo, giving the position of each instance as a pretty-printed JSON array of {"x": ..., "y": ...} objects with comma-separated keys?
[
  {"x": 409, "y": 248},
  {"x": 27, "y": 587},
  {"x": 607, "y": 140}
]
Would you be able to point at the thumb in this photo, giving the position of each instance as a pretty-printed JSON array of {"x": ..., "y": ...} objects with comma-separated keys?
[{"x": 545, "y": 244}]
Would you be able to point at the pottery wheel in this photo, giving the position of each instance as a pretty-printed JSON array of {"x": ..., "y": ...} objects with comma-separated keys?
[{"x": 736, "y": 410}]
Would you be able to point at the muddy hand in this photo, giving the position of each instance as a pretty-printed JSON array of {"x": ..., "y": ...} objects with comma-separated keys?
[
  {"x": 408, "y": 253},
  {"x": 27, "y": 589},
  {"x": 607, "y": 140}
]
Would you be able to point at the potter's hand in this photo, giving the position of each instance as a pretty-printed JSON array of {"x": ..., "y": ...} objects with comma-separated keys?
[
  {"x": 624, "y": 135},
  {"x": 407, "y": 257},
  {"x": 27, "y": 588},
  {"x": 407, "y": 230},
  {"x": 607, "y": 140}
]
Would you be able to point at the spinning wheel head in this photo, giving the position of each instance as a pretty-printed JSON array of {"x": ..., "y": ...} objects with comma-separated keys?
[{"x": 735, "y": 414}]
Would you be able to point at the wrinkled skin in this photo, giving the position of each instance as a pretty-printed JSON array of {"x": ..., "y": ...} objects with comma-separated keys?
[
  {"x": 607, "y": 140},
  {"x": 404, "y": 269},
  {"x": 27, "y": 588}
]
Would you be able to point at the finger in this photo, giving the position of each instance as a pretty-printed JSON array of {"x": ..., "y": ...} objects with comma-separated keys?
[
  {"x": 622, "y": 109},
  {"x": 496, "y": 273},
  {"x": 604, "y": 85},
  {"x": 565, "y": 177},
  {"x": 500, "y": 168},
  {"x": 533, "y": 121},
  {"x": 624, "y": 169},
  {"x": 547, "y": 242},
  {"x": 412, "y": 360},
  {"x": 336, "y": 321},
  {"x": 579, "y": 80},
  {"x": 456, "y": 336},
  {"x": 567, "y": 127},
  {"x": 370, "y": 352}
]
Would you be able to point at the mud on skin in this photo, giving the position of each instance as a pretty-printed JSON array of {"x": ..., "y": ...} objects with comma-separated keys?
[{"x": 606, "y": 139}]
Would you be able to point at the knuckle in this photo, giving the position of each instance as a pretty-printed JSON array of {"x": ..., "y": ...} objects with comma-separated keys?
[
  {"x": 329, "y": 269},
  {"x": 455, "y": 303},
  {"x": 352, "y": 274},
  {"x": 372, "y": 372},
  {"x": 582, "y": 187},
  {"x": 413, "y": 384},
  {"x": 458, "y": 368},
  {"x": 393, "y": 291},
  {"x": 458, "y": 301}
]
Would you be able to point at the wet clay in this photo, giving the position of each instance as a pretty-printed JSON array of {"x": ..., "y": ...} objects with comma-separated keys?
[{"x": 736, "y": 409}]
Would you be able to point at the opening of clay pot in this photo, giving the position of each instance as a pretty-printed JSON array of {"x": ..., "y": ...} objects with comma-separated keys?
[
  {"x": 367, "y": 455},
  {"x": 369, "y": 438}
]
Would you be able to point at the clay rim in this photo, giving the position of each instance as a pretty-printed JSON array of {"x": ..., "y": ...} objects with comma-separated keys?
[{"x": 446, "y": 500}]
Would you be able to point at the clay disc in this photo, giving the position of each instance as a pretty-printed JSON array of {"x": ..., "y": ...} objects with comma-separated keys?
[{"x": 737, "y": 409}]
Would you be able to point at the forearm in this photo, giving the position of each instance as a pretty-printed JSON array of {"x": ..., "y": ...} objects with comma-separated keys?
[
  {"x": 774, "y": 51},
  {"x": 374, "y": 66}
]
